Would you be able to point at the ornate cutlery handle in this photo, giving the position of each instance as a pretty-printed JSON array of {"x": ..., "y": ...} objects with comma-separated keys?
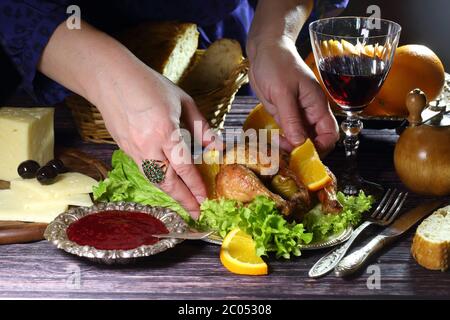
[
  {"x": 332, "y": 258},
  {"x": 357, "y": 259}
]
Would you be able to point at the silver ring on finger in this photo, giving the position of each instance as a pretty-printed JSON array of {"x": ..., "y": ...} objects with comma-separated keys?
[{"x": 155, "y": 170}]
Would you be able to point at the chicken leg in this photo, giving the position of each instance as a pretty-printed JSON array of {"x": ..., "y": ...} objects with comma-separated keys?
[{"x": 238, "y": 182}]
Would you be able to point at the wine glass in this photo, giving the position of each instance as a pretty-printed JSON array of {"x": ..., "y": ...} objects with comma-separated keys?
[{"x": 354, "y": 55}]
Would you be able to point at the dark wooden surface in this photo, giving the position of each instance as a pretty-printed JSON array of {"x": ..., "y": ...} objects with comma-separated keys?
[{"x": 192, "y": 270}]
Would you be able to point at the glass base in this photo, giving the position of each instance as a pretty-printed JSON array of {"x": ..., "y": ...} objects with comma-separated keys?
[{"x": 353, "y": 186}]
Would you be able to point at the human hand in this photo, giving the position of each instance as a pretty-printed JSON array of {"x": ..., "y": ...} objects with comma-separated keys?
[
  {"x": 290, "y": 92},
  {"x": 140, "y": 107},
  {"x": 144, "y": 119}
]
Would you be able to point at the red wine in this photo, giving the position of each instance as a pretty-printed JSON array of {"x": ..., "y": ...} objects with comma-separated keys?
[{"x": 352, "y": 81}]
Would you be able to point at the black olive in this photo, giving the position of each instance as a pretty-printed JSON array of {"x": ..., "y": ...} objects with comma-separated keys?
[
  {"x": 28, "y": 169},
  {"x": 46, "y": 175},
  {"x": 58, "y": 165}
]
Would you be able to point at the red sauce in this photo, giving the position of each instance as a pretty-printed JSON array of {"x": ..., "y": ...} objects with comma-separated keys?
[{"x": 120, "y": 230}]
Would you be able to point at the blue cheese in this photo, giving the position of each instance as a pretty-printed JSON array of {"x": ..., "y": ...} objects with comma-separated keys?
[{"x": 25, "y": 134}]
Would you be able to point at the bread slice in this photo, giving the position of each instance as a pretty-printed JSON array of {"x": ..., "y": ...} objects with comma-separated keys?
[
  {"x": 214, "y": 67},
  {"x": 166, "y": 47},
  {"x": 431, "y": 243}
]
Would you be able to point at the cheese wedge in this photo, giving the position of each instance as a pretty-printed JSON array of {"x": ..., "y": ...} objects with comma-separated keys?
[
  {"x": 79, "y": 200},
  {"x": 43, "y": 215},
  {"x": 65, "y": 184},
  {"x": 26, "y": 207}
]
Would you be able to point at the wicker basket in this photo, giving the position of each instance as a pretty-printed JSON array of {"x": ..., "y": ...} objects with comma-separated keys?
[{"x": 214, "y": 105}]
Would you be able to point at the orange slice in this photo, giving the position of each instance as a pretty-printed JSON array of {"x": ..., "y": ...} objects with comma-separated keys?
[
  {"x": 308, "y": 167},
  {"x": 209, "y": 168},
  {"x": 259, "y": 118},
  {"x": 369, "y": 50},
  {"x": 325, "y": 48},
  {"x": 349, "y": 48},
  {"x": 238, "y": 254},
  {"x": 335, "y": 48}
]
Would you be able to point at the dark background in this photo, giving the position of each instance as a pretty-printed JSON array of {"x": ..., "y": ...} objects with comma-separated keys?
[{"x": 424, "y": 22}]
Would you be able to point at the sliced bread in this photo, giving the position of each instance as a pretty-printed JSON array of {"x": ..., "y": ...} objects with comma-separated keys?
[
  {"x": 166, "y": 47},
  {"x": 214, "y": 67},
  {"x": 431, "y": 243}
]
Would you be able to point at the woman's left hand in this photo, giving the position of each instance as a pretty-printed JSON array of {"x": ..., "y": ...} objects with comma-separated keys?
[{"x": 291, "y": 93}]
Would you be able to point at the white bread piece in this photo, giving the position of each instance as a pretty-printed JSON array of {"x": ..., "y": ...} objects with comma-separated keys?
[
  {"x": 431, "y": 243},
  {"x": 166, "y": 47},
  {"x": 214, "y": 67}
]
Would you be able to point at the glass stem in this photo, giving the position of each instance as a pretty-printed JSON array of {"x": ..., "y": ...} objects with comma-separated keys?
[{"x": 351, "y": 126}]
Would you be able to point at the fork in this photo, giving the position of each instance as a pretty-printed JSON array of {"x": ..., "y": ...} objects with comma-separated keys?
[{"x": 384, "y": 214}]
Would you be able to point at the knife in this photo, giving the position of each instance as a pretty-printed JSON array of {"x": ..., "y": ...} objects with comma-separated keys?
[
  {"x": 184, "y": 235},
  {"x": 357, "y": 259}
]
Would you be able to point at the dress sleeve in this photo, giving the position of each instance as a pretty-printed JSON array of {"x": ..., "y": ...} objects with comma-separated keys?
[
  {"x": 322, "y": 9},
  {"x": 25, "y": 29},
  {"x": 328, "y": 8}
]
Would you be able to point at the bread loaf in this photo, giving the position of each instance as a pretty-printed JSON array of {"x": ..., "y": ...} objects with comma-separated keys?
[
  {"x": 214, "y": 67},
  {"x": 431, "y": 243},
  {"x": 166, "y": 47}
]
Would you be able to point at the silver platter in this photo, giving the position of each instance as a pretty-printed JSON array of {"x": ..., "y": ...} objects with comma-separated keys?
[
  {"x": 56, "y": 232},
  {"x": 329, "y": 242}
]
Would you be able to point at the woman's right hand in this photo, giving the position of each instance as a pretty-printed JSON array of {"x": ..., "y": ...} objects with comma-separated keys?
[
  {"x": 145, "y": 122},
  {"x": 141, "y": 108}
]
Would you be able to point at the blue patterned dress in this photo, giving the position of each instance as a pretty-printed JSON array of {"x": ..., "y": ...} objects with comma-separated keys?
[{"x": 27, "y": 25}]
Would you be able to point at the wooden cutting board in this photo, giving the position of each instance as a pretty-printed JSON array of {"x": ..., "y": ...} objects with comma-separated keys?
[{"x": 77, "y": 161}]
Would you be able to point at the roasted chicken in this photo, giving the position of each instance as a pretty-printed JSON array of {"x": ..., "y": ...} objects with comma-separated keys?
[
  {"x": 251, "y": 157},
  {"x": 242, "y": 177},
  {"x": 238, "y": 182},
  {"x": 328, "y": 198}
]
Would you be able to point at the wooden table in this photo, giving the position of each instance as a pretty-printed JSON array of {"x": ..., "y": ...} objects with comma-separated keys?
[{"x": 192, "y": 270}]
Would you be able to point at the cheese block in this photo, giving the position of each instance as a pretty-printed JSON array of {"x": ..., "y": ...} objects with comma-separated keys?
[
  {"x": 25, "y": 133},
  {"x": 65, "y": 184},
  {"x": 27, "y": 207}
]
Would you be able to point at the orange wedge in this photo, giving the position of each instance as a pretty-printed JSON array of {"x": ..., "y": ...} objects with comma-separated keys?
[
  {"x": 349, "y": 48},
  {"x": 238, "y": 254},
  {"x": 259, "y": 118},
  {"x": 209, "y": 168},
  {"x": 335, "y": 48},
  {"x": 306, "y": 164},
  {"x": 325, "y": 48},
  {"x": 377, "y": 50}
]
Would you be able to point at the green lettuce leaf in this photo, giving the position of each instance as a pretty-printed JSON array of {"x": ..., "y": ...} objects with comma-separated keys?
[
  {"x": 125, "y": 182},
  {"x": 260, "y": 219},
  {"x": 221, "y": 215},
  {"x": 324, "y": 225},
  {"x": 268, "y": 228}
]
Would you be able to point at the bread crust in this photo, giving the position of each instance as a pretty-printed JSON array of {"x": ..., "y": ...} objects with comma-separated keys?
[
  {"x": 214, "y": 68},
  {"x": 430, "y": 255},
  {"x": 430, "y": 250},
  {"x": 154, "y": 44}
]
